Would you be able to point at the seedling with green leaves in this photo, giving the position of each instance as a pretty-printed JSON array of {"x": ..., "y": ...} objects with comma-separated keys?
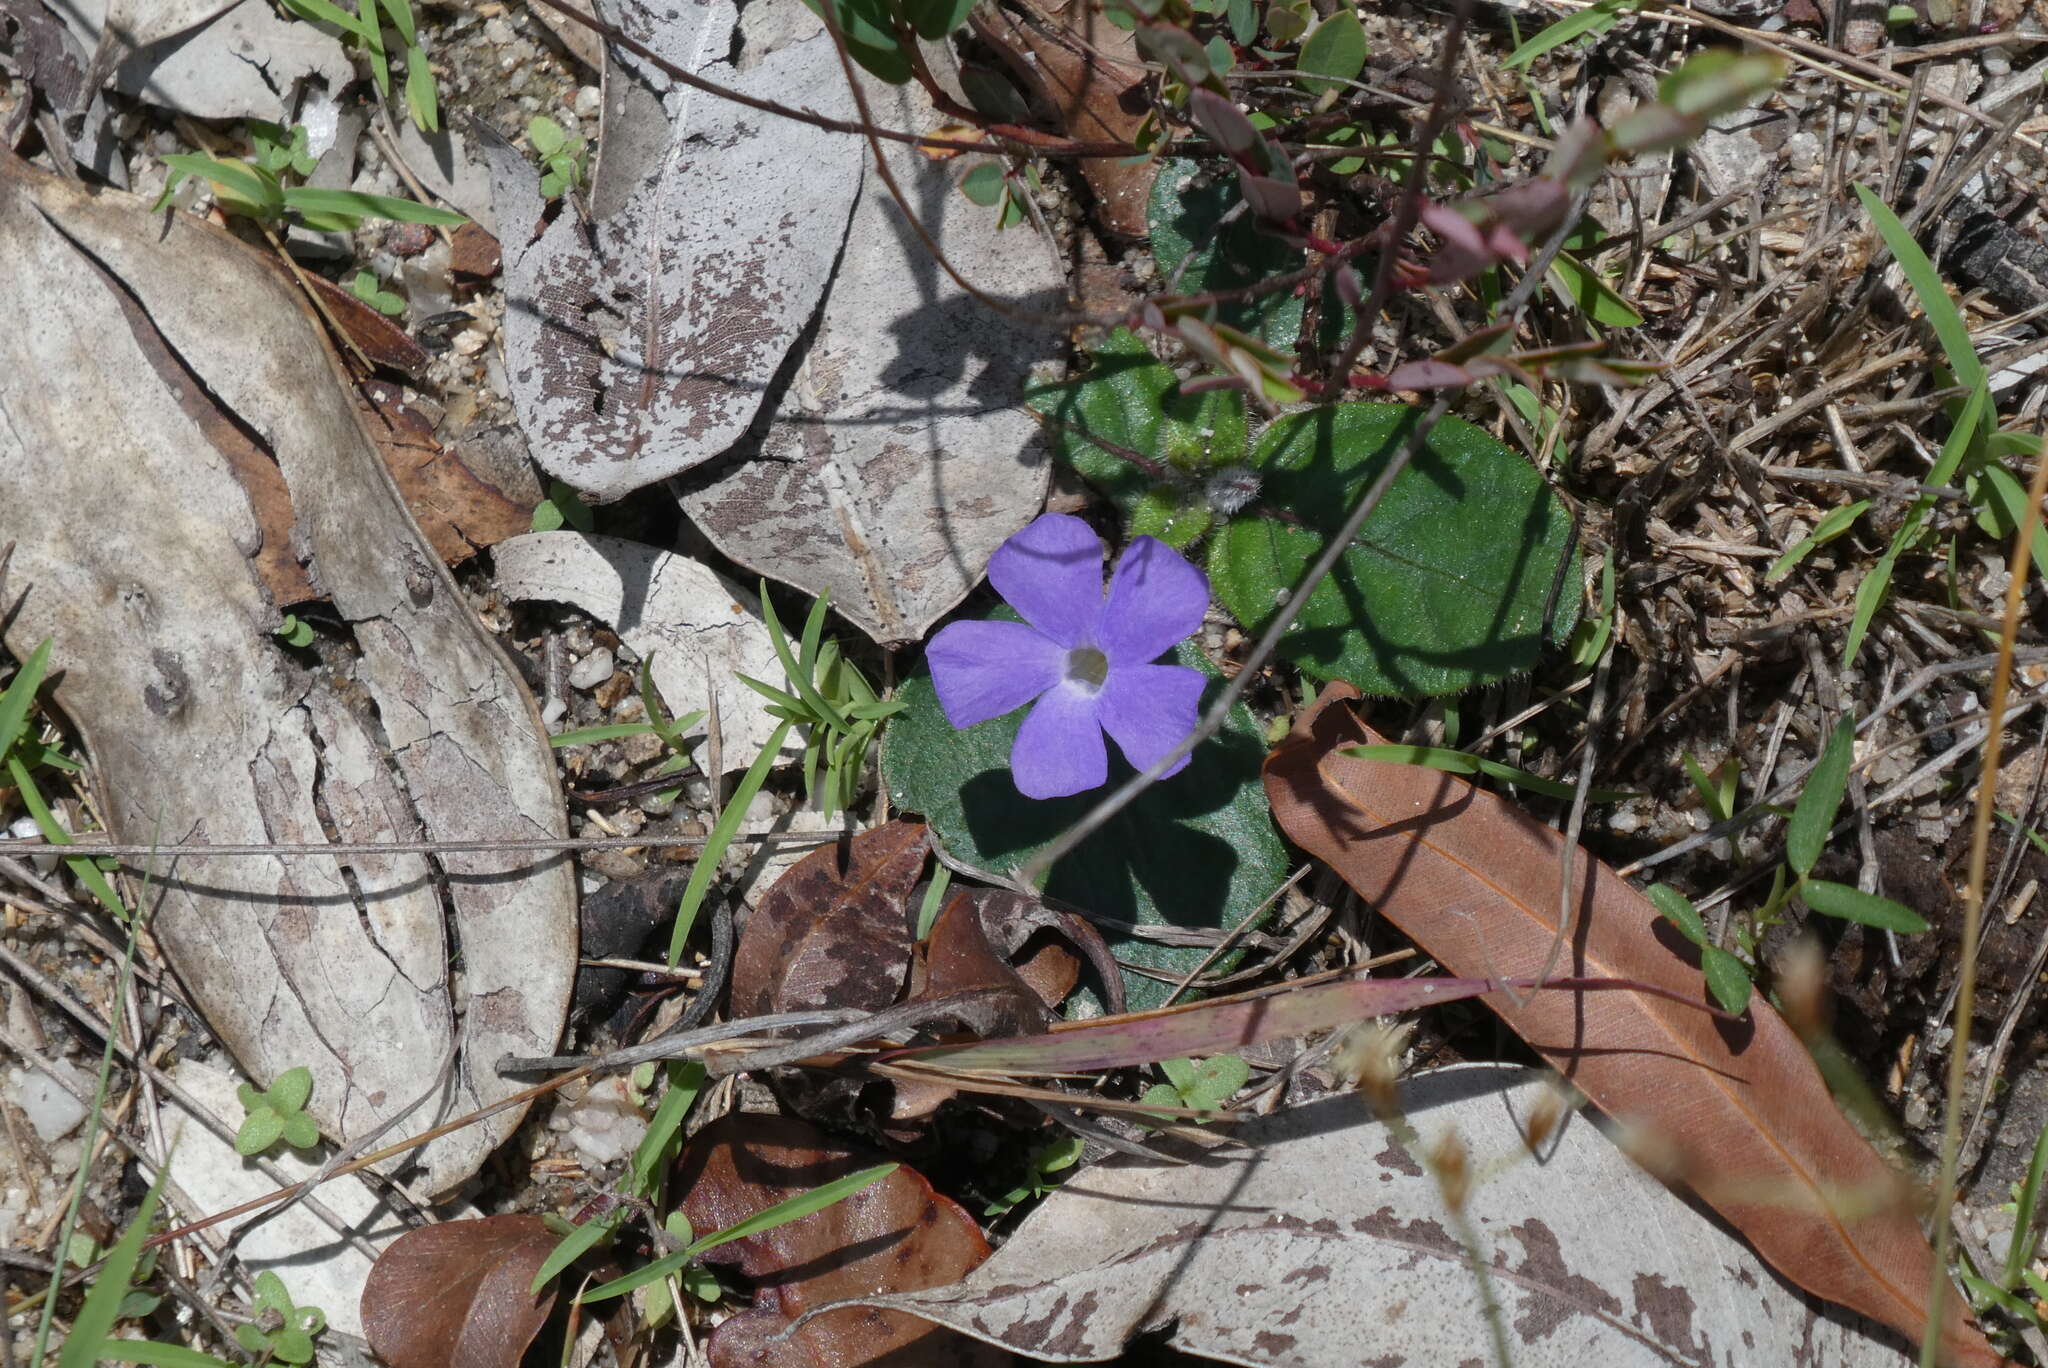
[
  {"x": 23, "y": 753},
  {"x": 281, "y": 1331},
  {"x": 1044, "y": 1165},
  {"x": 365, "y": 286},
  {"x": 1198, "y": 1086},
  {"x": 564, "y": 159},
  {"x": 673, "y": 731},
  {"x": 2015, "y": 1288},
  {"x": 838, "y": 709},
  {"x": 364, "y": 31},
  {"x": 990, "y": 184},
  {"x": 563, "y": 507},
  {"x": 265, "y": 190},
  {"x": 277, "y": 1113}
]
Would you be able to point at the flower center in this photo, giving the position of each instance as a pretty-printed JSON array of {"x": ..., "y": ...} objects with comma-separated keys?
[{"x": 1087, "y": 665}]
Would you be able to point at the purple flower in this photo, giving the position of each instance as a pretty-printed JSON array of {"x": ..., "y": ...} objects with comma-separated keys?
[{"x": 1086, "y": 657}]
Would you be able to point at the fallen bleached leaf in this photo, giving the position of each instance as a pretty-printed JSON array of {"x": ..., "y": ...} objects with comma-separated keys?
[
  {"x": 209, "y": 59},
  {"x": 1326, "y": 1241}
]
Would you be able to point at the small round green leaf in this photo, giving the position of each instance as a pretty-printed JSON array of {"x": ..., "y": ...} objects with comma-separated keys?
[
  {"x": 292, "y": 1088},
  {"x": 259, "y": 1132},
  {"x": 1334, "y": 48}
]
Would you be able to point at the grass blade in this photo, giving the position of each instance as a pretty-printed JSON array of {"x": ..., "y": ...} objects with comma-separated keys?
[
  {"x": 20, "y": 693},
  {"x": 721, "y": 836},
  {"x": 1806, "y": 834},
  {"x": 1853, "y": 904},
  {"x": 1941, "y": 311}
]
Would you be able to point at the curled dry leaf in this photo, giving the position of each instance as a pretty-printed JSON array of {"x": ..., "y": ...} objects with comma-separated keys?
[
  {"x": 1088, "y": 75},
  {"x": 1325, "y": 1241},
  {"x": 459, "y": 512},
  {"x": 895, "y": 1235},
  {"x": 1738, "y": 1108},
  {"x": 203, "y": 730},
  {"x": 454, "y": 1295}
]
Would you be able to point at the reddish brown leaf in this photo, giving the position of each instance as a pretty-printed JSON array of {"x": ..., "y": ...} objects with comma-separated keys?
[
  {"x": 1740, "y": 1109},
  {"x": 894, "y": 1235},
  {"x": 380, "y": 339},
  {"x": 459, "y": 512},
  {"x": 473, "y": 253},
  {"x": 454, "y": 1295},
  {"x": 836, "y": 930},
  {"x": 1087, "y": 73}
]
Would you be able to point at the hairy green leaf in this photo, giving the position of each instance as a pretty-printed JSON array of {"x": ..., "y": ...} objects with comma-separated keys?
[
  {"x": 1806, "y": 834},
  {"x": 1853, "y": 904},
  {"x": 1333, "y": 52}
]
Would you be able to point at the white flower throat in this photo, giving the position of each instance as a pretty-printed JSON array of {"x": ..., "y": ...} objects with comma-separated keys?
[{"x": 1088, "y": 667}]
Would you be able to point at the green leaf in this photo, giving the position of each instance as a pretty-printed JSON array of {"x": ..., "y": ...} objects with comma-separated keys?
[
  {"x": 1333, "y": 52},
  {"x": 256, "y": 190},
  {"x": 2001, "y": 502},
  {"x": 584, "y": 736},
  {"x": 870, "y": 39},
  {"x": 1851, "y": 904},
  {"x": 575, "y": 1245},
  {"x": 934, "y": 19},
  {"x": 300, "y": 1131},
  {"x": 401, "y": 19},
  {"x": 1198, "y": 849},
  {"x": 983, "y": 184},
  {"x": 1806, "y": 834},
  {"x": 1449, "y": 581},
  {"x": 2019, "y": 1250},
  {"x": 82, "y": 868},
  {"x": 545, "y": 136},
  {"x": 1832, "y": 524},
  {"x": 1942, "y": 314},
  {"x": 1244, "y": 21},
  {"x": 1463, "y": 762},
  {"x": 320, "y": 11},
  {"x": 1183, "y": 215},
  {"x": 422, "y": 99},
  {"x": 162, "y": 1355},
  {"x": 1130, "y": 404},
  {"x": 715, "y": 845},
  {"x": 20, "y": 693},
  {"x": 305, "y": 199},
  {"x": 1595, "y": 19},
  {"x": 259, "y": 1131},
  {"x": 1727, "y": 978},
  {"x": 1581, "y": 287},
  {"x": 291, "y": 1089},
  {"x": 1679, "y": 911}
]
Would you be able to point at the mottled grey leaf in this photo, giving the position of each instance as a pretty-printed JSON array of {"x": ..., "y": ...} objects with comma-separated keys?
[
  {"x": 1326, "y": 1241},
  {"x": 901, "y": 457},
  {"x": 212, "y": 59},
  {"x": 642, "y": 334}
]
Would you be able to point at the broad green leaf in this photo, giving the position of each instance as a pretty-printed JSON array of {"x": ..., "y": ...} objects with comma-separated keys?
[
  {"x": 1198, "y": 849},
  {"x": 422, "y": 99},
  {"x": 2001, "y": 502},
  {"x": 305, "y": 199},
  {"x": 1448, "y": 583},
  {"x": 573, "y": 1246},
  {"x": 1334, "y": 49},
  {"x": 1580, "y": 287},
  {"x": 984, "y": 184},
  {"x": 292, "y": 1088},
  {"x": 237, "y": 180},
  {"x": 870, "y": 40},
  {"x": 1942, "y": 314},
  {"x": 1806, "y": 834},
  {"x": 934, "y": 19},
  {"x": 1832, "y": 524},
  {"x": 1595, "y": 19},
  {"x": 1853, "y": 904},
  {"x": 1126, "y": 428},
  {"x": 1183, "y": 214},
  {"x": 259, "y": 1131},
  {"x": 1679, "y": 911},
  {"x": 301, "y": 1131}
]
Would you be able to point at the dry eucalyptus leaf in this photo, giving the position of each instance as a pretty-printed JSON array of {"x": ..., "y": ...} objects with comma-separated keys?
[
  {"x": 1326, "y": 1242},
  {"x": 202, "y": 729},
  {"x": 319, "y": 1265},
  {"x": 698, "y": 631},
  {"x": 643, "y": 341},
  {"x": 900, "y": 458},
  {"x": 209, "y": 59},
  {"x": 454, "y": 1295},
  {"x": 895, "y": 1233}
]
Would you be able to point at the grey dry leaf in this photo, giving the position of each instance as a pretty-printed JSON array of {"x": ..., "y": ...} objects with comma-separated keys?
[
  {"x": 901, "y": 458},
  {"x": 202, "y": 730},
  {"x": 699, "y": 631},
  {"x": 643, "y": 340},
  {"x": 1326, "y": 1242},
  {"x": 211, "y": 59}
]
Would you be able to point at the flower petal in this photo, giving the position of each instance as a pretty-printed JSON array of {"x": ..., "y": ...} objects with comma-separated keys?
[
  {"x": 985, "y": 669},
  {"x": 1149, "y": 709},
  {"x": 1155, "y": 599},
  {"x": 1059, "y": 748},
  {"x": 1051, "y": 573}
]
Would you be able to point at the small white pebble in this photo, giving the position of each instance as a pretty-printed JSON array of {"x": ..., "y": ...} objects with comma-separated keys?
[
  {"x": 591, "y": 671},
  {"x": 589, "y": 102},
  {"x": 497, "y": 32},
  {"x": 53, "y": 1111}
]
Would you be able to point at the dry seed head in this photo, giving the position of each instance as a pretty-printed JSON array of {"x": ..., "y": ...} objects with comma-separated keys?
[
  {"x": 1544, "y": 1119},
  {"x": 1451, "y": 1162},
  {"x": 1369, "y": 1059},
  {"x": 1803, "y": 987},
  {"x": 1652, "y": 1151}
]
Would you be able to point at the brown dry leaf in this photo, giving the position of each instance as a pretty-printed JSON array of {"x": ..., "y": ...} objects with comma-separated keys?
[
  {"x": 1088, "y": 74},
  {"x": 896, "y": 1235},
  {"x": 836, "y": 930},
  {"x": 1740, "y": 1109},
  {"x": 381, "y": 340},
  {"x": 458, "y": 511},
  {"x": 455, "y": 1295}
]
